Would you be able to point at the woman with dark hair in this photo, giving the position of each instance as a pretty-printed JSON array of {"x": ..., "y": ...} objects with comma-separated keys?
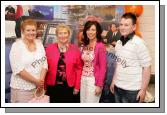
[{"x": 94, "y": 59}]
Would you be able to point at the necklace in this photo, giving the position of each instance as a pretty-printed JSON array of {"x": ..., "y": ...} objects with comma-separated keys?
[
  {"x": 63, "y": 48},
  {"x": 31, "y": 46},
  {"x": 91, "y": 45}
]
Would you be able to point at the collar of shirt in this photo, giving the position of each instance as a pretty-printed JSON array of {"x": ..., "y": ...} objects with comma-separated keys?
[
  {"x": 125, "y": 40},
  {"x": 115, "y": 33},
  {"x": 63, "y": 48}
]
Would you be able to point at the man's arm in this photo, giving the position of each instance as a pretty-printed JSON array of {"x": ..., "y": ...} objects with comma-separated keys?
[{"x": 145, "y": 81}]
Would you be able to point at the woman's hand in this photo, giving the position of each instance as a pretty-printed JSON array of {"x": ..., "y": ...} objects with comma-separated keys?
[
  {"x": 39, "y": 83},
  {"x": 75, "y": 91},
  {"x": 112, "y": 88},
  {"x": 98, "y": 90}
]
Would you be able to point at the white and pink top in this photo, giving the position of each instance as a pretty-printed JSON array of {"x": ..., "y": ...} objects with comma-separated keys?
[{"x": 88, "y": 68}]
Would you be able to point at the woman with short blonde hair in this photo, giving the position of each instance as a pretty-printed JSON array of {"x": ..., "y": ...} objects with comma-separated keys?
[
  {"x": 61, "y": 26},
  {"x": 64, "y": 67}
]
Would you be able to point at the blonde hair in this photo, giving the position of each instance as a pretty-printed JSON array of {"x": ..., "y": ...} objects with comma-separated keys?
[{"x": 62, "y": 25}]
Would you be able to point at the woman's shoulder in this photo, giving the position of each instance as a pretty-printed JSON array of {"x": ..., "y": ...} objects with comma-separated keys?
[
  {"x": 17, "y": 43},
  {"x": 38, "y": 40},
  {"x": 18, "y": 40},
  {"x": 74, "y": 48},
  {"x": 100, "y": 44},
  {"x": 73, "y": 45},
  {"x": 51, "y": 46}
]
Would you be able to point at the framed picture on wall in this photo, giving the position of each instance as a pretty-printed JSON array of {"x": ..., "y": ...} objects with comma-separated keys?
[
  {"x": 41, "y": 28},
  {"x": 41, "y": 12},
  {"x": 50, "y": 39},
  {"x": 50, "y": 36}
]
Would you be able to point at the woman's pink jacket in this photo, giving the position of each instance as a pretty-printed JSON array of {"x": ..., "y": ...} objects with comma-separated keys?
[{"x": 73, "y": 65}]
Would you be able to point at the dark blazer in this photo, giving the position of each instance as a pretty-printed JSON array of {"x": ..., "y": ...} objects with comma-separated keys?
[{"x": 111, "y": 38}]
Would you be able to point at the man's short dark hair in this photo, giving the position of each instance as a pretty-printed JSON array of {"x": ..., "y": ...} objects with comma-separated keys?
[
  {"x": 131, "y": 16},
  {"x": 114, "y": 23}
]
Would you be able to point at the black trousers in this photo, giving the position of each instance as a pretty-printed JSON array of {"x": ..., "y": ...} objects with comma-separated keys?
[
  {"x": 62, "y": 93},
  {"x": 107, "y": 96}
]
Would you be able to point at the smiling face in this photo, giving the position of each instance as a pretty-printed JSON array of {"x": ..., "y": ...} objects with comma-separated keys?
[
  {"x": 63, "y": 35},
  {"x": 113, "y": 28},
  {"x": 29, "y": 32},
  {"x": 29, "y": 29},
  {"x": 126, "y": 27},
  {"x": 91, "y": 32}
]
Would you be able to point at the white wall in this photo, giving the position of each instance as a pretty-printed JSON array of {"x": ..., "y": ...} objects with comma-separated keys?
[
  {"x": 147, "y": 29},
  {"x": 10, "y": 29}
]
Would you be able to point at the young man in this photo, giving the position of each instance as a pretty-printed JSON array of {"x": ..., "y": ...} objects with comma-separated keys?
[
  {"x": 113, "y": 35},
  {"x": 132, "y": 74}
]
